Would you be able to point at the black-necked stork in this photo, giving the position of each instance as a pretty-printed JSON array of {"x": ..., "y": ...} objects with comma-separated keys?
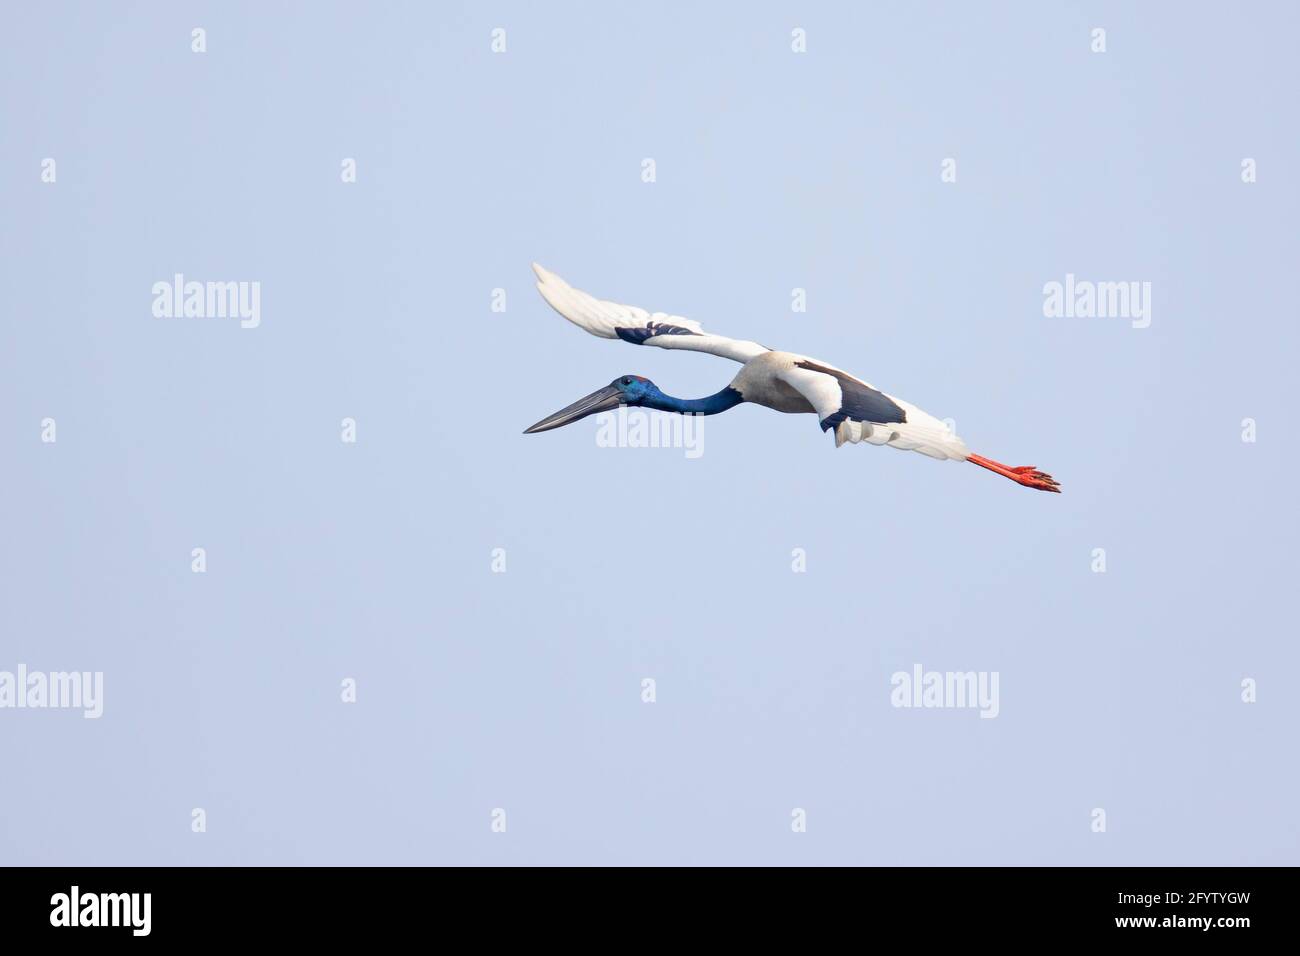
[{"x": 782, "y": 381}]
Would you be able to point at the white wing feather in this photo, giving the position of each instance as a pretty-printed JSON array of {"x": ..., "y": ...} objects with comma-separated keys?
[
  {"x": 921, "y": 432},
  {"x": 603, "y": 318}
]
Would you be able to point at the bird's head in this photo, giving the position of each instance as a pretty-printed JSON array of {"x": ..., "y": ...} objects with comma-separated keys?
[{"x": 624, "y": 390}]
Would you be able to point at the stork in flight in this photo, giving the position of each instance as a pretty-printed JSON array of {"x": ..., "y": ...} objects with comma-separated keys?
[{"x": 783, "y": 381}]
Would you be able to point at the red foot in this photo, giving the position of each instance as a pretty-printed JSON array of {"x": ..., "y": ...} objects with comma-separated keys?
[{"x": 1026, "y": 475}]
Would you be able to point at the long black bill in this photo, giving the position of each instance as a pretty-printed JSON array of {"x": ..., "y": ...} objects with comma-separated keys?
[{"x": 602, "y": 400}]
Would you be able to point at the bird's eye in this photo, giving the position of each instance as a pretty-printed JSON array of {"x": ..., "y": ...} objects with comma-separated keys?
[{"x": 627, "y": 381}]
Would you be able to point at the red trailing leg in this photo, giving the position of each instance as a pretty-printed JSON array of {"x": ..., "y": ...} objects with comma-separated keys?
[{"x": 1026, "y": 475}]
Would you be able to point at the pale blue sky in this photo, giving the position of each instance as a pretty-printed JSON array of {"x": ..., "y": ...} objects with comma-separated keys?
[{"x": 522, "y": 690}]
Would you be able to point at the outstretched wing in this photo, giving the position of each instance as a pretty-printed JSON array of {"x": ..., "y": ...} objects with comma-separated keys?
[
  {"x": 609, "y": 320},
  {"x": 858, "y": 412}
]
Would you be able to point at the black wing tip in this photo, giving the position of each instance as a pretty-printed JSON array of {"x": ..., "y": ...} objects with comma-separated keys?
[{"x": 638, "y": 335}]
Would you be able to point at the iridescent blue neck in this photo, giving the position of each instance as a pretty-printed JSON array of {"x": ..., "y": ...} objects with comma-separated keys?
[{"x": 712, "y": 405}]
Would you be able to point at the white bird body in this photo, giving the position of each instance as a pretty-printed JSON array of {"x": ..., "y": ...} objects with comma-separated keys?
[
  {"x": 784, "y": 381},
  {"x": 760, "y": 382}
]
